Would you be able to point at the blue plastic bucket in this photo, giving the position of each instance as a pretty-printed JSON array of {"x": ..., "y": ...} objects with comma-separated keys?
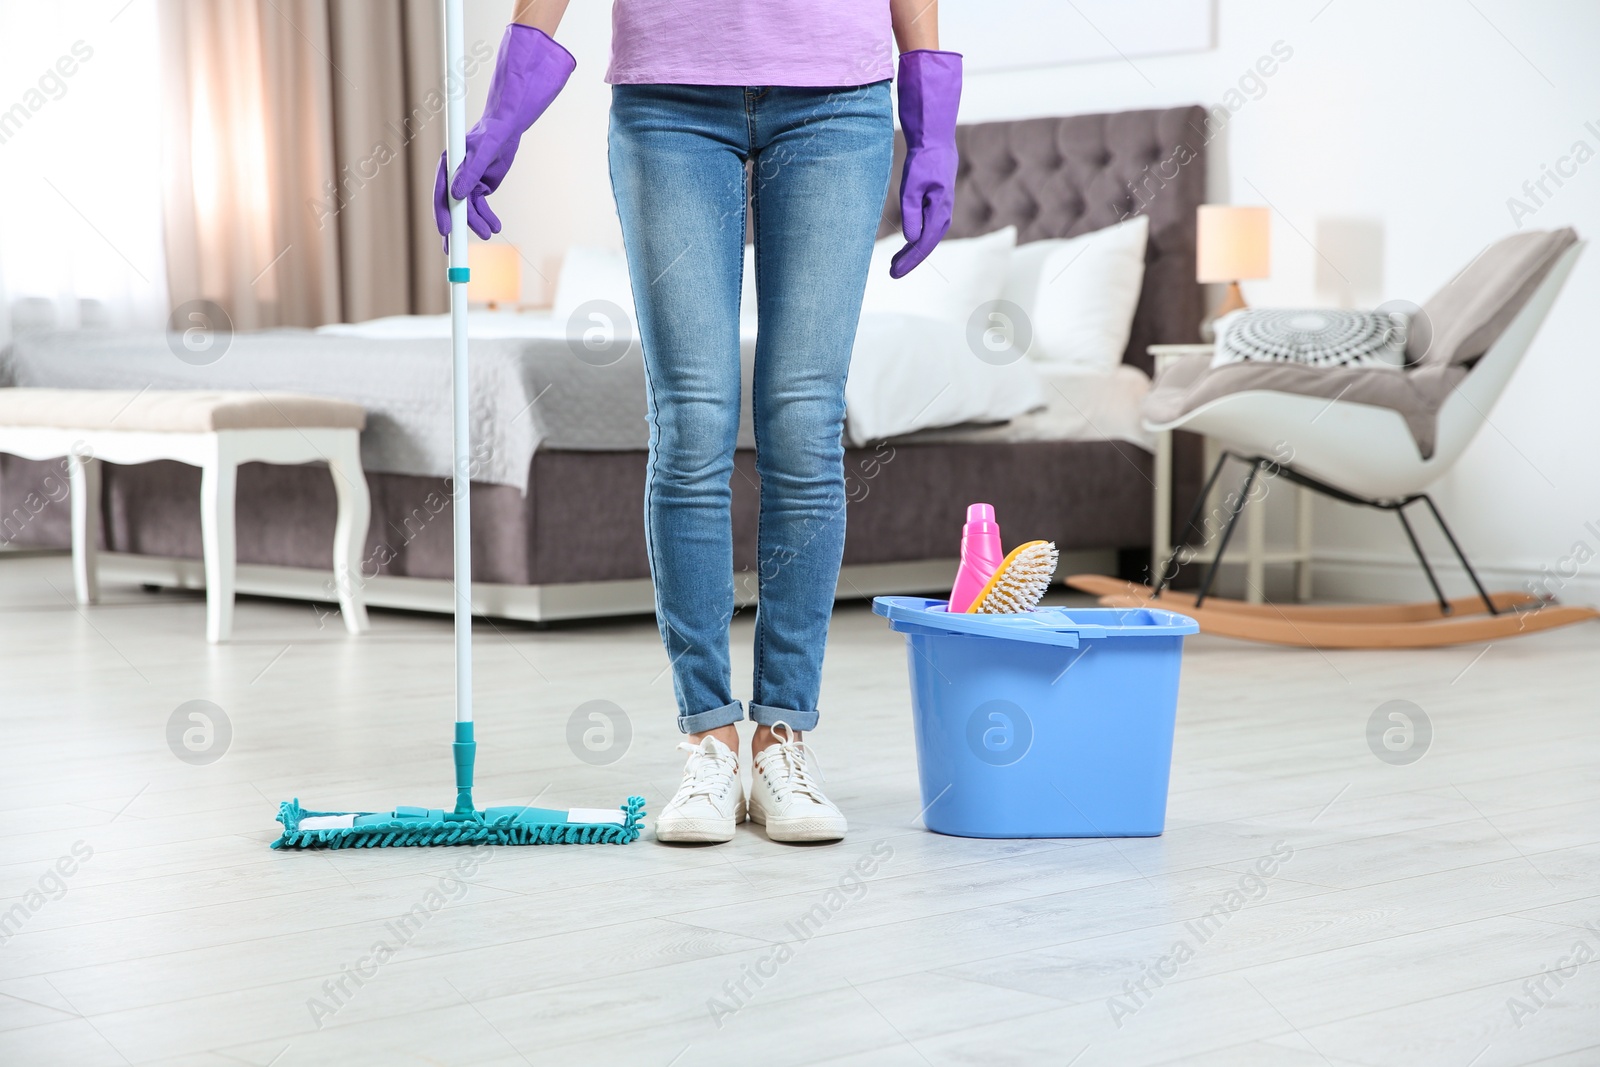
[{"x": 1053, "y": 723}]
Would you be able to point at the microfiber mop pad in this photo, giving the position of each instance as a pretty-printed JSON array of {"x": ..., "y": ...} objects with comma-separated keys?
[{"x": 510, "y": 825}]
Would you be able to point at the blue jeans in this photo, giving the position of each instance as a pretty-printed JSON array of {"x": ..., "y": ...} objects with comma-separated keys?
[{"x": 821, "y": 170}]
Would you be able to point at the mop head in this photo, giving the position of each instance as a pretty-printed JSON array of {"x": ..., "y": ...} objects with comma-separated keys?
[
  {"x": 421, "y": 827},
  {"x": 1020, "y": 582}
]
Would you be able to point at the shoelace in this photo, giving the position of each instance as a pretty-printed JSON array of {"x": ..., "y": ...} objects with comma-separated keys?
[
  {"x": 706, "y": 774},
  {"x": 796, "y": 775}
]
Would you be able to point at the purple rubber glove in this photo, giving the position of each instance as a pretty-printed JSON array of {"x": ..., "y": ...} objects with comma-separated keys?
[
  {"x": 930, "y": 92},
  {"x": 530, "y": 70}
]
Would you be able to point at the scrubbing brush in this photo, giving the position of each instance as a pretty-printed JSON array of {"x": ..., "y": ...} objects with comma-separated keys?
[{"x": 1020, "y": 582}]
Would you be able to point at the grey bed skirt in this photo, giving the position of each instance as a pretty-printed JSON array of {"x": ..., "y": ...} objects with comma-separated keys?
[{"x": 582, "y": 518}]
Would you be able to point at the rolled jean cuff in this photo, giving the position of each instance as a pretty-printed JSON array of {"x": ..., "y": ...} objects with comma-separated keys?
[
  {"x": 699, "y": 723},
  {"x": 796, "y": 720}
]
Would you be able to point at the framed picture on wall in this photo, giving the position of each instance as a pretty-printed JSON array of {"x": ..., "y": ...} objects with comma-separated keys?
[{"x": 1017, "y": 34}]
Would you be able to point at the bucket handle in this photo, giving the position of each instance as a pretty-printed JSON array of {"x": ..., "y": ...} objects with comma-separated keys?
[
  {"x": 908, "y": 614},
  {"x": 1055, "y": 638}
]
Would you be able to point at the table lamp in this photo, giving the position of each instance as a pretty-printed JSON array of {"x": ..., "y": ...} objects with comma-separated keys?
[
  {"x": 1232, "y": 244},
  {"x": 496, "y": 276}
]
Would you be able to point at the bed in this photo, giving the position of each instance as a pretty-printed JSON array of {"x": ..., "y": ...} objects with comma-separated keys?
[{"x": 558, "y": 529}]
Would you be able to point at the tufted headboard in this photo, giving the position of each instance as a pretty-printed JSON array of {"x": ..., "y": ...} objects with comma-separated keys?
[{"x": 1059, "y": 177}]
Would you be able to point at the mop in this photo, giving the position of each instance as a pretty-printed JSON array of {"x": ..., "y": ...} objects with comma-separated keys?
[{"x": 466, "y": 825}]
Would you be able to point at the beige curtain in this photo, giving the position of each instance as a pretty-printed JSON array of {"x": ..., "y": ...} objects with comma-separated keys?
[{"x": 300, "y": 139}]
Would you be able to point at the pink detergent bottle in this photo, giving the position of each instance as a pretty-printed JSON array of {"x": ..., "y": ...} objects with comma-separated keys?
[{"x": 981, "y": 555}]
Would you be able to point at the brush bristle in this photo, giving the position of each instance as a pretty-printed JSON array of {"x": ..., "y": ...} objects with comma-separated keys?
[{"x": 1021, "y": 582}]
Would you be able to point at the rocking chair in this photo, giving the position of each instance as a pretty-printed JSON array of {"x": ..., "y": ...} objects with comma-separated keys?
[{"x": 1369, "y": 436}]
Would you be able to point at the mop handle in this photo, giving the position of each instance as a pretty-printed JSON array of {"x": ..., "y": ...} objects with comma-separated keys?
[{"x": 465, "y": 748}]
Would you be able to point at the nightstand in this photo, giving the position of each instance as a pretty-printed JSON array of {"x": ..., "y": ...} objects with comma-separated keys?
[{"x": 1256, "y": 553}]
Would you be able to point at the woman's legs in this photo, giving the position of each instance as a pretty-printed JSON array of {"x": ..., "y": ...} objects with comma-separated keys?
[
  {"x": 821, "y": 173},
  {"x": 822, "y": 159},
  {"x": 677, "y": 169},
  {"x": 822, "y": 168}
]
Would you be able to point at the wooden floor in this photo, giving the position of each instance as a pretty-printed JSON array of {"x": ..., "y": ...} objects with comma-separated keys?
[{"x": 1441, "y": 912}]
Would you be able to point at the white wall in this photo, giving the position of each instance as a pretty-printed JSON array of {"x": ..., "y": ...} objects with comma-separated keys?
[
  {"x": 1389, "y": 143},
  {"x": 559, "y": 191}
]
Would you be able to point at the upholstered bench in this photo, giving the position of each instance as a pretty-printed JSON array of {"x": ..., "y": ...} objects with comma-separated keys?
[{"x": 214, "y": 431}]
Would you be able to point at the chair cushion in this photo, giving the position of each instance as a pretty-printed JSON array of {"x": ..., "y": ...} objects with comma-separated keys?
[
  {"x": 175, "y": 411},
  {"x": 1416, "y": 393},
  {"x": 1461, "y": 320}
]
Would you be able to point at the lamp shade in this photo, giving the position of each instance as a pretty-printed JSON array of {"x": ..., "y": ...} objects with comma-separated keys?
[
  {"x": 496, "y": 275},
  {"x": 1232, "y": 243}
]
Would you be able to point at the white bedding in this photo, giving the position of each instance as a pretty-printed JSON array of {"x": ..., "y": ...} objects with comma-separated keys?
[
  {"x": 931, "y": 390},
  {"x": 907, "y": 372},
  {"x": 482, "y": 325},
  {"x": 919, "y": 365},
  {"x": 1080, "y": 405}
]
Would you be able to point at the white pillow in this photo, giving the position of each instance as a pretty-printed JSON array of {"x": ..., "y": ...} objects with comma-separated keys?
[
  {"x": 951, "y": 284},
  {"x": 911, "y": 372},
  {"x": 589, "y": 273},
  {"x": 1080, "y": 293}
]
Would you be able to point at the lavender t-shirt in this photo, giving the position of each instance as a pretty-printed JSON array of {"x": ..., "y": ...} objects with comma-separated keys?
[{"x": 750, "y": 42}]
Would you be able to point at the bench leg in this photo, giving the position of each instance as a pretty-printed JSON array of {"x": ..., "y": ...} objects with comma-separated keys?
[
  {"x": 218, "y": 478},
  {"x": 83, "y": 472},
  {"x": 350, "y": 530}
]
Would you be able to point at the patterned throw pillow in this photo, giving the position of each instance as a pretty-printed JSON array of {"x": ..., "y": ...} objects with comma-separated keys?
[{"x": 1316, "y": 337}]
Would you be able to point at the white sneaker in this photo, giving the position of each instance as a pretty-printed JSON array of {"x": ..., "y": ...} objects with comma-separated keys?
[
  {"x": 710, "y": 802},
  {"x": 785, "y": 798}
]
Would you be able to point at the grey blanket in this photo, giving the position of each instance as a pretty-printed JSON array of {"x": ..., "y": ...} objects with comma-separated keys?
[{"x": 525, "y": 394}]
